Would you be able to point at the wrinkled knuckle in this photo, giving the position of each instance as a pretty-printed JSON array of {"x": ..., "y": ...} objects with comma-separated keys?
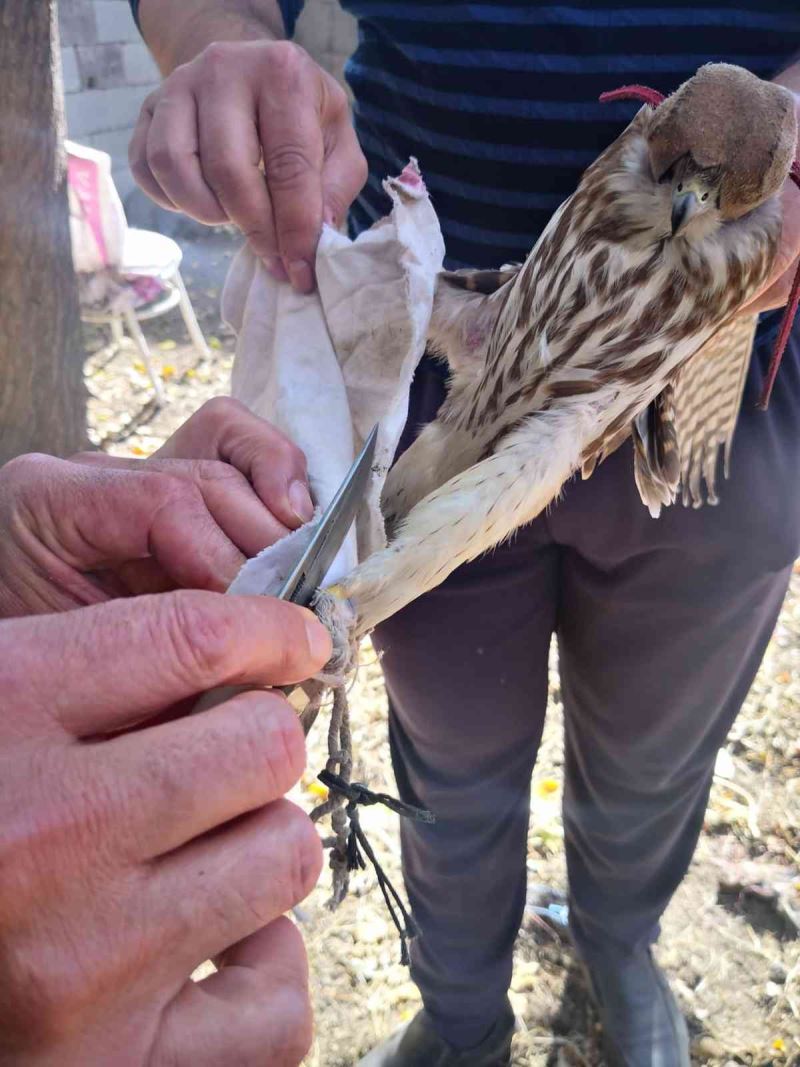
[
  {"x": 285, "y": 454},
  {"x": 217, "y": 470},
  {"x": 220, "y": 409},
  {"x": 171, "y": 490},
  {"x": 199, "y": 634},
  {"x": 222, "y": 172},
  {"x": 296, "y": 454},
  {"x": 287, "y": 61},
  {"x": 151, "y": 100},
  {"x": 160, "y": 155},
  {"x": 29, "y": 466},
  {"x": 286, "y": 164},
  {"x": 218, "y": 56},
  {"x": 160, "y": 158},
  {"x": 261, "y": 241},
  {"x": 180, "y": 80}
]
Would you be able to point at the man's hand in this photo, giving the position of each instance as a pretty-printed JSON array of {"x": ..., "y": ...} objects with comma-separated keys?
[
  {"x": 82, "y": 531},
  {"x": 248, "y": 131},
  {"x": 135, "y": 844}
]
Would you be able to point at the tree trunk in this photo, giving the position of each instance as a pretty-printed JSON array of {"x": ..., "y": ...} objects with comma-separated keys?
[{"x": 42, "y": 396}]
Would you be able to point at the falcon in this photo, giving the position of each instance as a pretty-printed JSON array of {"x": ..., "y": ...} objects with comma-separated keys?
[{"x": 623, "y": 321}]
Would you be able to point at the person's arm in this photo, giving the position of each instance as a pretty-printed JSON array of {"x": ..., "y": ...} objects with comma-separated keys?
[
  {"x": 246, "y": 128},
  {"x": 176, "y": 31}
]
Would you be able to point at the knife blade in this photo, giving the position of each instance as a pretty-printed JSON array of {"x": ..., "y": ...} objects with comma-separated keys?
[{"x": 310, "y": 570}]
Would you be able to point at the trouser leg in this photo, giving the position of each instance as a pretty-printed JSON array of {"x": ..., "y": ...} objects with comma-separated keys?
[
  {"x": 662, "y": 628},
  {"x": 648, "y": 702},
  {"x": 466, "y": 672}
]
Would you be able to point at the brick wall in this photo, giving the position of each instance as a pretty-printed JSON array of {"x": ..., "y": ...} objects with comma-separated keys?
[{"x": 108, "y": 71}]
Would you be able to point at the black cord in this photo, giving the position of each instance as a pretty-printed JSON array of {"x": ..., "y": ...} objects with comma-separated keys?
[
  {"x": 358, "y": 793},
  {"x": 358, "y": 846}
]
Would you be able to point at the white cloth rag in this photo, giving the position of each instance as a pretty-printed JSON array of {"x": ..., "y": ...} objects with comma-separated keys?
[{"x": 325, "y": 368}]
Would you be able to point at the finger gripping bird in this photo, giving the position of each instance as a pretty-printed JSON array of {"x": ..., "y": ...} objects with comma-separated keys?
[{"x": 622, "y": 321}]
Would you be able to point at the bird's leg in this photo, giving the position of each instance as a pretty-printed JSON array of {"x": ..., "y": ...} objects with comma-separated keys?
[
  {"x": 472, "y": 512},
  {"x": 439, "y": 453}
]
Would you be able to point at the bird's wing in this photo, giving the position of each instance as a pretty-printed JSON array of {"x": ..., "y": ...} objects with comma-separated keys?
[
  {"x": 678, "y": 438},
  {"x": 465, "y": 313},
  {"x": 708, "y": 394}
]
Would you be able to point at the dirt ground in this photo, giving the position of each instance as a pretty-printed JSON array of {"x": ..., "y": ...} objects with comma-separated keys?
[{"x": 729, "y": 938}]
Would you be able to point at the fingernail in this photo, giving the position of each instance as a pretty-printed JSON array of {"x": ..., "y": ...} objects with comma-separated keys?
[
  {"x": 319, "y": 640},
  {"x": 275, "y": 267},
  {"x": 300, "y": 501},
  {"x": 301, "y": 275}
]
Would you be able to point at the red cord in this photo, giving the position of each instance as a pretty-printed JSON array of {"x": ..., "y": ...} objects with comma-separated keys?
[
  {"x": 786, "y": 322},
  {"x": 633, "y": 92}
]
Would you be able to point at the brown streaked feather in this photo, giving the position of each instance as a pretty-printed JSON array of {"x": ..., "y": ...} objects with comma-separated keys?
[
  {"x": 707, "y": 396},
  {"x": 600, "y": 451},
  {"x": 480, "y": 281},
  {"x": 678, "y": 438}
]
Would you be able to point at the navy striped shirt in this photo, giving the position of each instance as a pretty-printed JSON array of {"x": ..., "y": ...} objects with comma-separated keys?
[{"x": 498, "y": 101}]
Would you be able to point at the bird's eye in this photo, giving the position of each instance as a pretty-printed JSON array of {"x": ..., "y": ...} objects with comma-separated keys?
[
  {"x": 680, "y": 187},
  {"x": 704, "y": 197}
]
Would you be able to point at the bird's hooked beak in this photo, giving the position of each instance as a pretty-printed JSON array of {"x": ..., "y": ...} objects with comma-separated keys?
[{"x": 687, "y": 199}]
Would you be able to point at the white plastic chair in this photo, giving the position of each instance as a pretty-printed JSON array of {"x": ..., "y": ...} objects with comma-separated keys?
[{"x": 105, "y": 249}]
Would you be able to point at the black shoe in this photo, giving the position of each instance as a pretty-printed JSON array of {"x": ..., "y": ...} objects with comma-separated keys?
[
  {"x": 418, "y": 1045},
  {"x": 642, "y": 1023}
]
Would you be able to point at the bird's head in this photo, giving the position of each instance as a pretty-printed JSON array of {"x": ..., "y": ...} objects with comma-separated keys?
[
  {"x": 723, "y": 143},
  {"x": 695, "y": 197}
]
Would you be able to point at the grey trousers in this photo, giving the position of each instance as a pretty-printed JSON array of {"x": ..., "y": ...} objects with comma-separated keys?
[{"x": 661, "y": 627}]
